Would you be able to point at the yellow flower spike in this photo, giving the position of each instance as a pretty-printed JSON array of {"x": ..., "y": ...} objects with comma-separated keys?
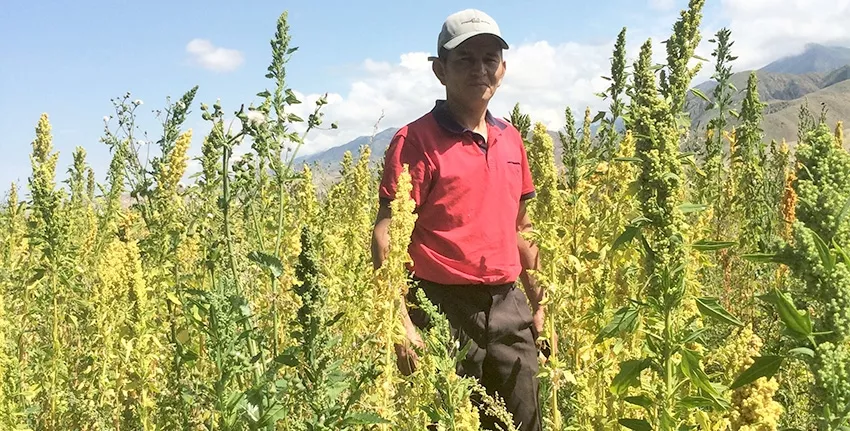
[
  {"x": 175, "y": 164},
  {"x": 789, "y": 203}
]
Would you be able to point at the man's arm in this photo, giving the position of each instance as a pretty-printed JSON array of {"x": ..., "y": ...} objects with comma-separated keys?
[
  {"x": 530, "y": 259},
  {"x": 381, "y": 235},
  {"x": 406, "y": 356}
]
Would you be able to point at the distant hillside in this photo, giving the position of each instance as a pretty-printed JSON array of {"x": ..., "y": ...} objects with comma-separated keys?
[
  {"x": 836, "y": 76},
  {"x": 780, "y": 120},
  {"x": 773, "y": 88},
  {"x": 785, "y": 92},
  {"x": 815, "y": 58},
  {"x": 330, "y": 158}
]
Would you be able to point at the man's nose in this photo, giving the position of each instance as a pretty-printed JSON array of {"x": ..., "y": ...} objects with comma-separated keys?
[{"x": 479, "y": 67}]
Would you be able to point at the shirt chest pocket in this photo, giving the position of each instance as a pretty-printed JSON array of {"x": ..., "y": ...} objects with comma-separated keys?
[{"x": 512, "y": 177}]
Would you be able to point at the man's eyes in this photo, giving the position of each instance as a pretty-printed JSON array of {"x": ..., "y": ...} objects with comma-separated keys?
[{"x": 490, "y": 60}]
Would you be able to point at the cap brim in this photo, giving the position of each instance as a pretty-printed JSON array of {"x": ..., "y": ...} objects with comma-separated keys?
[{"x": 452, "y": 44}]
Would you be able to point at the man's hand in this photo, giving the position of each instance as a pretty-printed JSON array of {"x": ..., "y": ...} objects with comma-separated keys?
[
  {"x": 530, "y": 259},
  {"x": 406, "y": 357},
  {"x": 538, "y": 318}
]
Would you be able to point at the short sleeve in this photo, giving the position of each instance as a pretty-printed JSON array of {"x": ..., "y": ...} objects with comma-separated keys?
[
  {"x": 404, "y": 150},
  {"x": 528, "y": 190}
]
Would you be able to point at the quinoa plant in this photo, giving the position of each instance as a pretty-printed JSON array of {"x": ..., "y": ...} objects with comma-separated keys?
[
  {"x": 714, "y": 168},
  {"x": 816, "y": 255},
  {"x": 662, "y": 309}
]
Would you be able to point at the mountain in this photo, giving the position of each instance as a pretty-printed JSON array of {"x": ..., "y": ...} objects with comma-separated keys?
[
  {"x": 815, "y": 58},
  {"x": 773, "y": 88},
  {"x": 330, "y": 158},
  {"x": 781, "y": 117},
  {"x": 836, "y": 76},
  {"x": 823, "y": 80}
]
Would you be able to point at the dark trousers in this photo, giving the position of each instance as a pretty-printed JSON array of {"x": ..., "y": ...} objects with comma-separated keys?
[{"x": 503, "y": 353}]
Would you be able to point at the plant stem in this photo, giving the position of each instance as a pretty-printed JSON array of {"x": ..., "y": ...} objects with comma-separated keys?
[
  {"x": 55, "y": 333},
  {"x": 226, "y": 213},
  {"x": 252, "y": 346},
  {"x": 668, "y": 362},
  {"x": 279, "y": 215}
]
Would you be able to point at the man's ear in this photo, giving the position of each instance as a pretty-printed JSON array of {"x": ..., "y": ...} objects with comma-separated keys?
[
  {"x": 439, "y": 70},
  {"x": 502, "y": 73}
]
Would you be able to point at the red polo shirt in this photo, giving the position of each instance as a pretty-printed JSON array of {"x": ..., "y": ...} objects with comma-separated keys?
[{"x": 467, "y": 193}]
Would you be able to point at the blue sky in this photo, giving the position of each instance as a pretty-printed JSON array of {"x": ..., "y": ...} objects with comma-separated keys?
[{"x": 69, "y": 58}]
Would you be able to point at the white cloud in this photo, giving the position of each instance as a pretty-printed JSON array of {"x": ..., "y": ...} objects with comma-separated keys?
[
  {"x": 203, "y": 53},
  {"x": 764, "y": 30},
  {"x": 662, "y": 5}
]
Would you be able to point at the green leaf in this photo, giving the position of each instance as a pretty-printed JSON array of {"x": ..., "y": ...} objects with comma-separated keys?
[
  {"x": 720, "y": 403},
  {"x": 626, "y": 237},
  {"x": 823, "y": 250},
  {"x": 669, "y": 176},
  {"x": 599, "y": 115},
  {"x": 802, "y": 351},
  {"x": 267, "y": 261},
  {"x": 694, "y": 336},
  {"x": 699, "y": 57},
  {"x": 633, "y": 188},
  {"x": 189, "y": 356},
  {"x": 173, "y": 298},
  {"x": 710, "y": 307},
  {"x": 628, "y": 159},
  {"x": 623, "y": 321},
  {"x": 39, "y": 274},
  {"x": 764, "y": 366},
  {"x": 635, "y": 424},
  {"x": 691, "y": 367},
  {"x": 696, "y": 402},
  {"x": 628, "y": 376},
  {"x": 688, "y": 207},
  {"x": 272, "y": 416},
  {"x": 640, "y": 400},
  {"x": 700, "y": 94},
  {"x": 706, "y": 245},
  {"x": 289, "y": 358},
  {"x": 762, "y": 257},
  {"x": 798, "y": 323},
  {"x": 841, "y": 253}
]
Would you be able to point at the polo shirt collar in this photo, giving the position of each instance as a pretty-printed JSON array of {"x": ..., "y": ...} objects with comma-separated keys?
[{"x": 444, "y": 118}]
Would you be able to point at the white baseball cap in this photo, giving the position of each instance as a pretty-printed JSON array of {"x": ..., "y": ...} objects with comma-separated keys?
[{"x": 464, "y": 24}]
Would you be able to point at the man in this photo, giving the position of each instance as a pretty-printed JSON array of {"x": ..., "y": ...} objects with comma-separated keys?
[{"x": 471, "y": 181}]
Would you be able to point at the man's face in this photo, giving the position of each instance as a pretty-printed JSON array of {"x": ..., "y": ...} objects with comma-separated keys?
[{"x": 473, "y": 71}]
